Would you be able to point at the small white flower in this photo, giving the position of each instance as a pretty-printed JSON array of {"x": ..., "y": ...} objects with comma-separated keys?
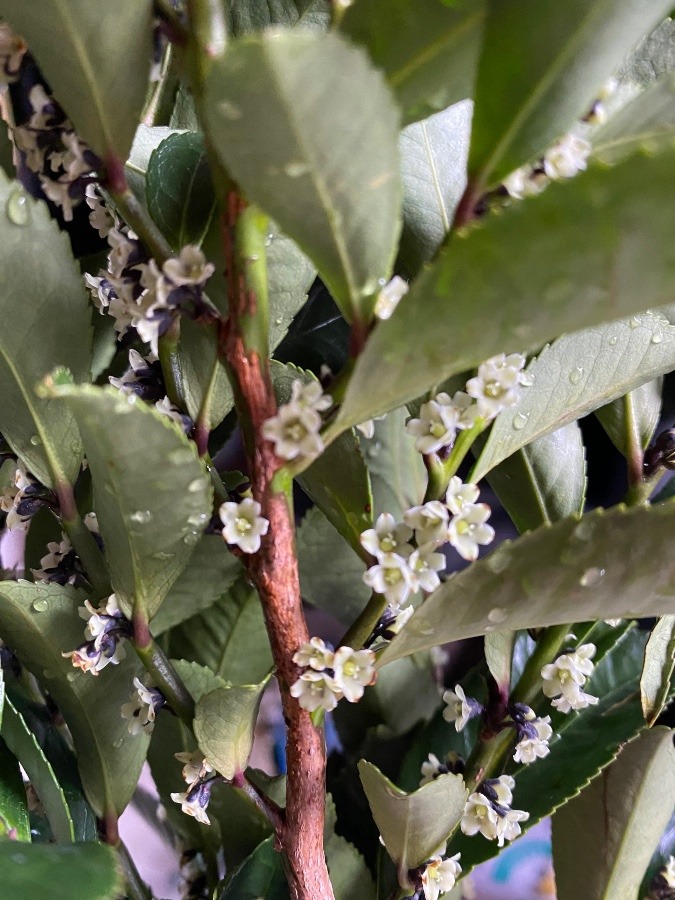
[
  {"x": 508, "y": 827},
  {"x": 459, "y": 708},
  {"x": 574, "y": 698},
  {"x": 52, "y": 560},
  {"x": 310, "y": 395},
  {"x": 353, "y": 671},
  {"x": 524, "y": 182},
  {"x": 437, "y": 424},
  {"x": 668, "y": 872},
  {"x": 467, "y": 409},
  {"x": 402, "y": 617},
  {"x": 294, "y": 431},
  {"x": 468, "y": 530},
  {"x": 503, "y": 789},
  {"x": 367, "y": 428},
  {"x": 141, "y": 708},
  {"x": 166, "y": 408},
  {"x": 425, "y": 566},
  {"x": 440, "y": 876},
  {"x": 316, "y": 690},
  {"x": 430, "y": 522},
  {"x": 139, "y": 368},
  {"x": 190, "y": 267},
  {"x": 459, "y": 495},
  {"x": 391, "y": 577},
  {"x": 100, "y": 217},
  {"x": 12, "y": 496},
  {"x": 387, "y": 537},
  {"x": 495, "y": 386},
  {"x": 565, "y": 677},
  {"x": 390, "y": 296},
  {"x": 528, "y": 749},
  {"x": 195, "y": 766},
  {"x": 432, "y": 767},
  {"x": 243, "y": 524},
  {"x": 90, "y": 658},
  {"x": 194, "y": 802},
  {"x": 314, "y": 654},
  {"x": 479, "y": 816},
  {"x": 567, "y": 157}
]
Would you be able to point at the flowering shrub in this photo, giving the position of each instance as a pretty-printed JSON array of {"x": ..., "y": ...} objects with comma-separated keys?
[{"x": 303, "y": 303}]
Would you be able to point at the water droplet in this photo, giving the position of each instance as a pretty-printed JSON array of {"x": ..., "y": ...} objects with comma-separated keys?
[
  {"x": 584, "y": 530},
  {"x": 196, "y": 485},
  {"x": 296, "y": 169},
  {"x": 36, "y": 440},
  {"x": 279, "y": 320},
  {"x": 612, "y": 340},
  {"x": 519, "y": 421},
  {"x": 18, "y": 211},
  {"x": 191, "y": 538},
  {"x": 635, "y": 321},
  {"x": 142, "y": 516},
  {"x": 181, "y": 457},
  {"x": 576, "y": 374},
  {"x": 71, "y": 676},
  {"x": 132, "y": 399},
  {"x": 118, "y": 743},
  {"x": 229, "y": 110},
  {"x": 527, "y": 379},
  {"x": 592, "y": 577},
  {"x": 40, "y": 605},
  {"x": 657, "y": 337},
  {"x": 497, "y": 562},
  {"x": 489, "y": 629},
  {"x": 198, "y": 519},
  {"x": 497, "y": 615}
]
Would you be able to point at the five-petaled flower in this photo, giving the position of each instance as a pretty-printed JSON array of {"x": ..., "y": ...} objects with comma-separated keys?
[
  {"x": 440, "y": 875},
  {"x": 142, "y": 707},
  {"x": 564, "y": 679},
  {"x": 105, "y": 629},
  {"x": 243, "y": 526},
  {"x": 460, "y": 708}
]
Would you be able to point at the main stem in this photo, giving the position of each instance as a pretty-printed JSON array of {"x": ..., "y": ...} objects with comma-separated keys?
[{"x": 274, "y": 569}]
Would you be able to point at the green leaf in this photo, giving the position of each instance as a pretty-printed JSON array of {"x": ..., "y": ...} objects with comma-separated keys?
[
  {"x": 330, "y": 571},
  {"x": 433, "y": 170},
  {"x": 653, "y": 57},
  {"x": 498, "y": 655},
  {"x": 413, "y": 826},
  {"x": 146, "y": 141},
  {"x": 152, "y": 493},
  {"x": 208, "y": 576},
  {"x": 229, "y": 637},
  {"x": 582, "y": 253},
  {"x": 224, "y": 725},
  {"x": 101, "y": 83},
  {"x": 525, "y": 100},
  {"x": 630, "y": 421},
  {"x": 13, "y": 804},
  {"x": 23, "y": 744},
  {"x": 86, "y": 871},
  {"x": 609, "y": 564},
  {"x": 348, "y": 872},
  {"x": 579, "y": 373},
  {"x": 397, "y": 472},
  {"x": 43, "y": 297},
  {"x": 544, "y": 481},
  {"x": 333, "y": 189},
  {"x": 39, "y": 623},
  {"x": 428, "y": 49},
  {"x": 657, "y": 669},
  {"x": 604, "y": 838},
  {"x": 246, "y": 16},
  {"x": 207, "y": 387},
  {"x": 261, "y": 875}
]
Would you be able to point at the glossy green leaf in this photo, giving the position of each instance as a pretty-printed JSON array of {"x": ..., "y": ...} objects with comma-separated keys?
[
  {"x": 101, "y": 83},
  {"x": 208, "y": 576},
  {"x": 261, "y": 875},
  {"x": 207, "y": 387},
  {"x": 146, "y": 141},
  {"x": 334, "y": 189},
  {"x": 604, "y": 838},
  {"x": 152, "y": 492},
  {"x": 584, "y": 252},
  {"x": 428, "y": 49},
  {"x": 498, "y": 655},
  {"x": 397, "y": 472},
  {"x": 348, "y": 872},
  {"x": 39, "y": 623},
  {"x": 86, "y": 871},
  {"x": 609, "y": 564},
  {"x": 224, "y": 726},
  {"x": 544, "y": 481},
  {"x": 330, "y": 571},
  {"x": 657, "y": 669},
  {"x": 413, "y": 826},
  {"x": 43, "y": 296},
  {"x": 525, "y": 100},
  {"x": 179, "y": 189},
  {"x": 579, "y": 373},
  {"x": 433, "y": 170},
  {"x": 229, "y": 637},
  {"x": 13, "y": 803},
  {"x": 23, "y": 744},
  {"x": 630, "y": 421}
]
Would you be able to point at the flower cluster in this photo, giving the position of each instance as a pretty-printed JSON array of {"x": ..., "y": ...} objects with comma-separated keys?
[
  {"x": 493, "y": 388},
  {"x": 142, "y": 706},
  {"x": 390, "y": 296},
  {"x": 105, "y": 629},
  {"x": 144, "y": 379},
  {"x": 533, "y": 734},
  {"x": 488, "y": 811},
  {"x": 329, "y": 676},
  {"x": 565, "y": 678},
  {"x": 61, "y": 565},
  {"x": 294, "y": 430},
  {"x": 21, "y": 498},
  {"x": 460, "y": 708},
  {"x": 52, "y": 149},
  {"x": 200, "y": 778},
  {"x": 440, "y": 875},
  {"x": 243, "y": 526},
  {"x": 564, "y": 159},
  {"x": 12, "y": 50}
]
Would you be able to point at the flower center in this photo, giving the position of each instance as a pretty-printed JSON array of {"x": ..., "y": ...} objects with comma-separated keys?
[
  {"x": 392, "y": 576},
  {"x": 438, "y": 429},
  {"x": 295, "y": 431},
  {"x": 242, "y": 525},
  {"x": 388, "y": 543}
]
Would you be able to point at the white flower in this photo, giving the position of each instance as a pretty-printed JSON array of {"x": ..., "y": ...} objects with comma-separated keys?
[
  {"x": 495, "y": 386},
  {"x": 195, "y": 766},
  {"x": 12, "y": 497},
  {"x": 436, "y": 426},
  {"x": 139, "y": 368},
  {"x": 425, "y": 565},
  {"x": 141, "y": 708},
  {"x": 567, "y": 157},
  {"x": 460, "y": 708},
  {"x": 166, "y": 408},
  {"x": 390, "y": 296},
  {"x": 440, "y": 876},
  {"x": 467, "y": 409},
  {"x": 367, "y": 428},
  {"x": 90, "y": 658},
  {"x": 574, "y": 698},
  {"x": 316, "y": 690},
  {"x": 524, "y": 182},
  {"x": 100, "y": 216},
  {"x": 353, "y": 671},
  {"x": 314, "y": 654},
  {"x": 390, "y": 624},
  {"x": 668, "y": 872},
  {"x": 387, "y": 537},
  {"x": 391, "y": 577},
  {"x": 243, "y": 524},
  {"x": 194, "y": 802},
  {"x": 430, "y": 522},
  {"x": 99, "y": 620},
  {"x": 432, "y": 767},
  {"x": 565, "y": 677},
  {"x": 468, "y": 529},
  {"x": 528, "y": 749},
  {"x": 479, "y": 816},
  {"x": 459, "y": 495},
  {"x": 50, "y": 563},
  {"x": 502, "y": 787},
  {"x": 190, "y": 267},
  {"x": 508, "y": 827},
  {"x": 294, "y": 431},
  {"x": 310, "y": 395}
]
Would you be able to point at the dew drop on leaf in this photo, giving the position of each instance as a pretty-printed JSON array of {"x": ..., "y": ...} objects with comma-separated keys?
[
  {"x": 576, "y": 374},
  {"x": 141, "y": 516},
  {"x": 196, "y": 485},
  {"x": 191, "y": 538},
  {"x": 18, "y": 211},
  {"x": 296, "y": 169},
  {"x": 497, "y": 615},
  {"x": 584, "y": 530},
  {"x": 519, "y": 421},
  {"x": 497, "y": 562},
  {"x": 657, "y": 337},
  {"x": 527, "y": 379},
  {"x": 118, "y": 743},
  {"x": 40, "y": 605},
  {"x": 592, "y": 577},
  {"x": 35, "y": 440}
]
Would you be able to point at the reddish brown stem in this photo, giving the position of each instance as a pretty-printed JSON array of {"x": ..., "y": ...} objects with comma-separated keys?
[
  {"x": 274, "y": 570},
  {"x": 466, "y": 208}
]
